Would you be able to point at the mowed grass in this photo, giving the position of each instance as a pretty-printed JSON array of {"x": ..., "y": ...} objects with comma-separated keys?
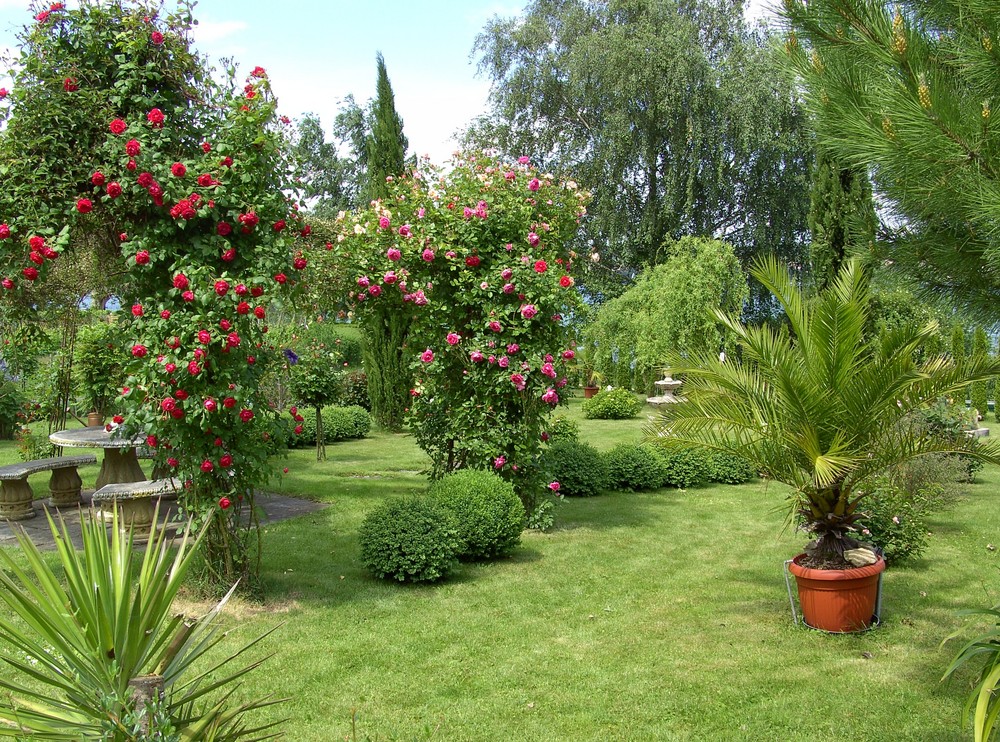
[{"x": 660, "y": 616}]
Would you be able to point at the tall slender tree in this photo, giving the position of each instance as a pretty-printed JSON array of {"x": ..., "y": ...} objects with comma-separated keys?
[
  {"x": 386, "y": 144},
  {"x": 385, "y": 332},
  {"x": 841, "y": 217}
]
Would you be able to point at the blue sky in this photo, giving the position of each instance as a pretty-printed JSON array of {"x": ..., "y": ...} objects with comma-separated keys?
[{"x": 316, "y": 53}]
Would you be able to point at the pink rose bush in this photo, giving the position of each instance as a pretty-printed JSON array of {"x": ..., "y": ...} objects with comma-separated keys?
[{"x": 471, "y": 270}]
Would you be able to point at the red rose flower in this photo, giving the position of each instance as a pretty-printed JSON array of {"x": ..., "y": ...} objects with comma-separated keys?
[
  {"x": 156, "y": 118},
  {"x": 168, "y": 404},
  {"x": 139, "y": 350},
  {"x": 31, "y": 273},
  {"x": 242, "y": 308},
  {"x": 97, "y": 178},
  {"x": 70, "y": 85},
  {"x": 178, "y": 169},
  {"x": 224, "y": 503},
  {"x": 225, "y": 325},
  {"x": 131, "y": 165},
  {"x": 180, "y": 281},
  {"x": 207, "y": 466},
  {"x": 229, "y": 255},
  {"x": 36, "y": 258},
  {"x": 193, "y": 368},
  {"x": 165, "y": 314},
  {"x": 181, "y": 394},
  {"x": 229, "y": 403},
  {"x": 227, "y": 162},
  {"x": 84, "y": 205},
  {"x": 142, "y": 257},
  {"x": 145, "y": 180},
  {"x": 541, "y": 266},
  {"x": 299, "y": 263},
  {"x": 281, "y": 278},
  {"x": 298, "y": 430},
  {"x": 170, "y": 368},
  {"x": 246, "y": 415},
  {"x": 211, "y": 405},
  {"x": 156, "y": 37},
  {"x": 151, "y": 441},
  {"x": 7, "y": 283},
  {"x": 472, "y": 261},
  {"x": 172, "y": 462},
  {"x": 226, "y": 461},
  {"x": 188, "y": 296},
  {"x": 206, "y": 147},
  {"x": 205, "y": 180},
  {"x": 259, "y": 312},
  {"x": 132, "y": 148},
  {"x": 279, "y": 225},
  {"x": 565, "y": 282},
  {"x": 256, "y": 292},
  {"x": 204, "y": 337},
  {"x": 137, "y": 310},
  {"x": 223, "y": 229},
  {"x": 222, "y": 287},
  {"x": 4, "y": 231},
  {"x": 233, "y": 339},
  {"x": 114, "y": 189}
]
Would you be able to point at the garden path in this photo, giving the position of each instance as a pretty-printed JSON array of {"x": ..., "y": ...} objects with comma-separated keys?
[{"x": 273, "y": 507}]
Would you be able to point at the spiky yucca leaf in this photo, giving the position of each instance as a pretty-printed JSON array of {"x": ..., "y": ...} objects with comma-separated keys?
[{"x": 83, "y": 638}]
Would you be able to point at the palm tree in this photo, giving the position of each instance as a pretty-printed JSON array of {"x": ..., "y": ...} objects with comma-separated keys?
[{"x": 819, "y": 408}]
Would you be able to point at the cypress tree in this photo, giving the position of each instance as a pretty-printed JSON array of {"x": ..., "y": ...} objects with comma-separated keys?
[
  {"x": 841, "y": 217},
  {"x": 980, "y": 348},
  {"x": 385, "y": 332},
  {"x": 958, "y": 353}
]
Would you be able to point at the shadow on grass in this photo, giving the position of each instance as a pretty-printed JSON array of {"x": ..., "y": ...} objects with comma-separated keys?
[{"x": 611, "y": 510}]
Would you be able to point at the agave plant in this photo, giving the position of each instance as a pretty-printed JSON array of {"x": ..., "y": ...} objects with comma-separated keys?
[
  {"x": 818, "y": 406},
  {"x": 984, "y": 701},
  {"x": 80, "y": 642}
]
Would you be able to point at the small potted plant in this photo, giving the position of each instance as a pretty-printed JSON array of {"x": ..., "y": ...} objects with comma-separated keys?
[{"x": 822, "y": 409}]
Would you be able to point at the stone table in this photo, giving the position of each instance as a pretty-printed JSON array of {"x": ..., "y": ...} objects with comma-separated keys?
[{"x": 120, "y": 461}]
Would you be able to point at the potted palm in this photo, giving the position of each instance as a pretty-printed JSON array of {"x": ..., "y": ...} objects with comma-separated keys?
[{"x": 821, "y": 408}]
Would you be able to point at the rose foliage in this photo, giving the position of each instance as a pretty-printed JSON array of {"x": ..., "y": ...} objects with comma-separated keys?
[
  {"x": 207, "y": 242},
  {"x": 478, "y": 258}
]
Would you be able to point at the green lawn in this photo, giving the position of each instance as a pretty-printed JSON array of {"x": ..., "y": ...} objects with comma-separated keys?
[{"x": 639, "y": 617}]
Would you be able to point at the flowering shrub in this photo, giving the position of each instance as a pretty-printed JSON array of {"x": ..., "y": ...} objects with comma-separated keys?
[
  {"x": 206, "y": 240},
  {"x": 895, "y": 521},
  {"x": 477, "y": 258}
]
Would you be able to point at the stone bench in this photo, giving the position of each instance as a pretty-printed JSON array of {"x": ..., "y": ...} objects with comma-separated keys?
[
  {"x": 136, "y": 501},
  {"x": 64, "y": 485}
]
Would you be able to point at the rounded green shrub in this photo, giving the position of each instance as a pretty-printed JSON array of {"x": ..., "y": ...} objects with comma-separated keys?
[
  {"x": 612, "y": 404},
  {"x": 561, "y": 428},
  {"x": 490, "y": 515},
  {"x": 684, "y": 467},
  {"x": 635, "y": 468},
  {"x": 414, "y": 539},
  {"x": 728, "y": 468},
  {"x": 339, "y": 424},
  {"x": 578, "y": 467}
]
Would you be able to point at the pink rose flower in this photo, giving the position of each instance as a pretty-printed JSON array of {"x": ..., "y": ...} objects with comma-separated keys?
[
  {"x": 453, "y": 338},
  {"x": 533, "y": 239},
  {"x": 427, "y": 255},
  {"x": 427, "y": 356},
  {"x": 528, "y": 311},
  {"x": 554, "y": 486},
  {"x": 393, "y": 254},
  {"x": 476, "y": 356},
  {"x": 550, "y": 396}
]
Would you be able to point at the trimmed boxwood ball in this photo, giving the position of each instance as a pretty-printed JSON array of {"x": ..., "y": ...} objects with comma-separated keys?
[
  {"x": 490, "y": 515},
  {"x": 612, "y": 404},
  {"x": 728, "y": 468},
  {"x": 685, "y": 467},
  {"x": 578, "y": 467},
  {"x": 635, "y": 468},
  {"x": 414, "y": 539}
]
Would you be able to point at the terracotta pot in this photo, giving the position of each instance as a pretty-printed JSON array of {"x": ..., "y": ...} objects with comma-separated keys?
[
  {"x": 590, "y": 391},
  {"x": 837, "y": 600},
  {"x": 95, "y": 420}
]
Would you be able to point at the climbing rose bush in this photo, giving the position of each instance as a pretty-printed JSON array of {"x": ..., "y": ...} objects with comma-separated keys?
[
  {"x": 208, "y": 241},
  {"x": 478, "y": 258}
]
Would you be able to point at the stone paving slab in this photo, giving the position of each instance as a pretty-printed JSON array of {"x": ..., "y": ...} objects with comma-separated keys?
[{"x": 274, "y": 508}]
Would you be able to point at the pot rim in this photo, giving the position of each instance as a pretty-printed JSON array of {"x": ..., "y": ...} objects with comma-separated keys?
[{"x": 810, "y": 573}]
